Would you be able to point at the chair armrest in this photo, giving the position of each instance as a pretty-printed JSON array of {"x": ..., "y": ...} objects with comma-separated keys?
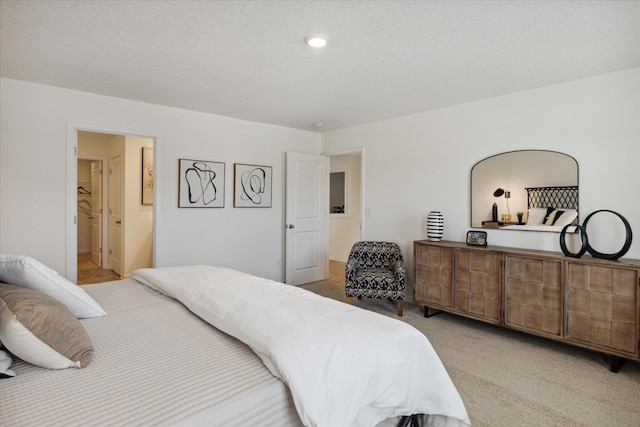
[
  {"x": 351, "y": 268},
  {"x": 401, "y": 272}
]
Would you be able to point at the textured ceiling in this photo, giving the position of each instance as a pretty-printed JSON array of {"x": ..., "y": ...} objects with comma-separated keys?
[{"x": 247, "y": 59}]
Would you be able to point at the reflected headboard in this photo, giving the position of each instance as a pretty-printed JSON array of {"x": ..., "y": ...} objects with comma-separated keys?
[{"x": 563, "y": 197}]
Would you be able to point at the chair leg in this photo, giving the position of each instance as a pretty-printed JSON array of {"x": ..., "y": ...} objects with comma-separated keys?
[
  {"x": 348, "y": 300},
  {"x": 400, "y": 307}
]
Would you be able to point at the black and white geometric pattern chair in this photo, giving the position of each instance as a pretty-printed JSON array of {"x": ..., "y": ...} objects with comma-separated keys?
[{"x": 376, "y": 270}]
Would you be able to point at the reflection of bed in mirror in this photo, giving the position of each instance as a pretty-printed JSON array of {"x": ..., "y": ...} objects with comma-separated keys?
[
  {"x": 512, "y": 173},
  {"x": 550, "y": 209}
]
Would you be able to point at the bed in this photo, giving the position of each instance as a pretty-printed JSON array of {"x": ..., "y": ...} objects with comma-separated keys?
[
  {"x": 550, "y": 209},
  {"x": 158, "y": 359}
]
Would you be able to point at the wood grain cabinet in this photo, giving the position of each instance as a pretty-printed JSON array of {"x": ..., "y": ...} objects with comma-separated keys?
[
  {"x": 587, "y": 302},
  {"x": 478, "y": 283},
  {"x": 602, "y": 307},
  {"x": 434, "y": 269},
  {"x": 533, "y": 294}
]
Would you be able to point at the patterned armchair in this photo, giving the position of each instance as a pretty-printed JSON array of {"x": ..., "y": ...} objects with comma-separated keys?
[{"x": 376, "y": 270}]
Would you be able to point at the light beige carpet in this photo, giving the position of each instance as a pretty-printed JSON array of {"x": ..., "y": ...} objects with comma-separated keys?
[{"x": 507, "y": 378}]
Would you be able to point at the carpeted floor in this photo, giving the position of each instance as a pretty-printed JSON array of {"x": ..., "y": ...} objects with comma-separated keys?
[{"x": 507, "y": 378}]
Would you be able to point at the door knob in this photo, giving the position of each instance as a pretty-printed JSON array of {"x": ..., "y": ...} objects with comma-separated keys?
[
  {"x": 291, "y": 226},
  {"x": 118, "y": 222}
]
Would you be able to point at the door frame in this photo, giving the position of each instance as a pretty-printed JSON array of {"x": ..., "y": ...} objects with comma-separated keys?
[
  {"x": 105, "y": 198},
  {"x": 71, "y": 226},
  {"x": 346, "y": 152}
]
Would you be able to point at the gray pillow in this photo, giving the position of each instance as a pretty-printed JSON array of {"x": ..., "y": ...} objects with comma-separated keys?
[{"x": 42, "y": 331}]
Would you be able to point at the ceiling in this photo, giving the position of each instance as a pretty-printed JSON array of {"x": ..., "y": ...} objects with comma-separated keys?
[{"x": 247, "y": 59}]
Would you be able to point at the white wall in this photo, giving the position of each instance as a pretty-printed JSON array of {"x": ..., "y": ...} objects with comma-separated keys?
[
  {"x": 422, "y": 162},
  {"x": 138, "y": 218},
  {"x": 414, "y": 164},
  {"x": 33, "y": 168}
]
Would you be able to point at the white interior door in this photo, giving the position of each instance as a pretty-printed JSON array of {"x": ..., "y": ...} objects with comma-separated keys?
[
  {"x": 307, "y": 218},
  {"x": 96, "y": 213},
  {"x": 115, "y": 214}
]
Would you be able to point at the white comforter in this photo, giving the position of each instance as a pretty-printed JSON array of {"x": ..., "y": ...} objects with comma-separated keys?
[{"x": 344, "y": 366}]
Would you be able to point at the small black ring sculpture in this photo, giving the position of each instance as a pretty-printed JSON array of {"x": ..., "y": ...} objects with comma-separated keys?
[
  {"x": 627, "y": 242},
  {"x": 583, "y": 236}
]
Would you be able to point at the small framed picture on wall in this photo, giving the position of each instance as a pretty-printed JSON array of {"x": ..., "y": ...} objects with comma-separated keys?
[
  {"x": 201, "y": 184},
  {"x": 252, "y": 186}
]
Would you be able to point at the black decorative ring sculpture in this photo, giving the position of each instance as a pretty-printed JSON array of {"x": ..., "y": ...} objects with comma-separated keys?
[
  {"x": 583, "y": 236},
  {"x": 627, "y": 242}
]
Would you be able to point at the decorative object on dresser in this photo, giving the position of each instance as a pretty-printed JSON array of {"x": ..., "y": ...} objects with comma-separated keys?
[
  {"x": 477, "y": 238},
  {"x": 376, "y": 270},
  {"x": 585, "y": 239},
  {"x": 588, "y": 302},
  {"x": 435, "y": 226}
]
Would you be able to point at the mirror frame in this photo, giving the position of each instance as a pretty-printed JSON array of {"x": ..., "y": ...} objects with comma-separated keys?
[{"x": 471, "y": 190}]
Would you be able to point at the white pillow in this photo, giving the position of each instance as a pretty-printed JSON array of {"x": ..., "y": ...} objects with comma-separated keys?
[
  {"x": 21, "y": 270},
  {"x": 561, "y": 217},
  {"x": 536, "y": 216}
]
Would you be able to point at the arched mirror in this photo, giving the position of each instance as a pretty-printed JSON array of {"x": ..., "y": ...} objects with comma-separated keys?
[{"x": 533, "y": 190}]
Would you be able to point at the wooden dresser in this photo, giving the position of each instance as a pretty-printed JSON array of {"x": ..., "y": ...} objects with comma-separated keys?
[{"x": 586, "y": 302}]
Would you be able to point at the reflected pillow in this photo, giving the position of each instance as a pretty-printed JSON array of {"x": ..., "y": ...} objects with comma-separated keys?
[
  {"x": 29, "y": 273},
  {"x": 536, "y": 216},
  {"x": 561, "y": 217},
  {"x": 42, "y": 331}
]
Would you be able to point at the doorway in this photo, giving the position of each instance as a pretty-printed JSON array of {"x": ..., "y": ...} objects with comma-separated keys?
[
  {"x": 346, "y": 203},
  {"x": 91, "y": 198},
  {"x": 115, "y": 213}
]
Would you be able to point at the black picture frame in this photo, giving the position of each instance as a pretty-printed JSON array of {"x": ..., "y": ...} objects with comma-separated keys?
[{"x": 477, "y": 238}]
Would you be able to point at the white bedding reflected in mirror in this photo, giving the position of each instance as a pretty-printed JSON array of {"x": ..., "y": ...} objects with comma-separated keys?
[{"x": 512, "y": 173}]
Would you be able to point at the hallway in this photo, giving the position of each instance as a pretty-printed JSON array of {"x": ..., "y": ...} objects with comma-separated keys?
[{"x": 88, "y": 272}]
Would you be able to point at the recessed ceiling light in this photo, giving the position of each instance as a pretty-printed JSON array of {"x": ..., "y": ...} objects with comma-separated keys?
[
  {"x": 318, "y": 124},
  {"x": 316, "y": 40}
]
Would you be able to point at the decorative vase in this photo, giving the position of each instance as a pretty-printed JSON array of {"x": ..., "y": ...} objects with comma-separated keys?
[{"x": 435, "y": 226}]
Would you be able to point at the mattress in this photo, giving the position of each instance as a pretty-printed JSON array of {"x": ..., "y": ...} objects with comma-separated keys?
[{"x": 155, "y": 363}]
